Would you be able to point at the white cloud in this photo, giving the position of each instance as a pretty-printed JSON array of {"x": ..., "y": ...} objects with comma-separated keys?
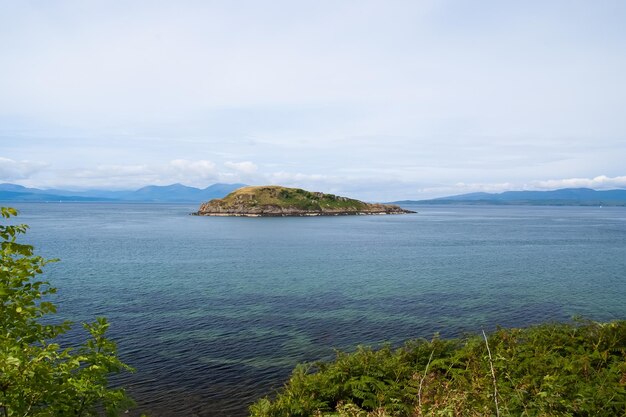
[
  {"x": 14, "y": 170},
  {"x": 290, "y": 178},
  {"x": 600, "y": 182},
  {"x": 486, "y": 188},
  {"x": 114, "y": 176},
  {"x": 245, "y": 167},
  {"x": 198, "y": 173},
  {"x": 114, "y": 172},
  {"x": 192, "y": 170}
]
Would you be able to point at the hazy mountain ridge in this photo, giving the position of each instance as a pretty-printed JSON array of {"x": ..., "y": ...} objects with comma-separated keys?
[
  {"x": 151, "y": 193},
  {"x": 181, "y": 193},
  {"x": 560, "y": 197}
]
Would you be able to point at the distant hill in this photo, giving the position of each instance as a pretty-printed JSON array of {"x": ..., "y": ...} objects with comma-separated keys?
[
  {"x": 273, "y": 200},
  {"x": 561, "y": 197},
  {"x": 153, "y": 193},
  {"x": 32, "y": 197}
]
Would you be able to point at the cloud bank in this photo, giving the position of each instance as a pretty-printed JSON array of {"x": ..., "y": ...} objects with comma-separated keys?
[
  {"x": 385, "y": 100},
  {"x": 601, "y": 182},
  {"x": 201, "y": 173},
  {"x": 17, "y": 170}
]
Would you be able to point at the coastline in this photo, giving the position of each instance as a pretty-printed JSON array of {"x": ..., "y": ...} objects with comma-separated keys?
[{"x": 315, "y": 214}]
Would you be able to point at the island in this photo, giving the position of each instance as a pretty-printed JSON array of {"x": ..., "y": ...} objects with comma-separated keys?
[{"x": 277, "y": 201}]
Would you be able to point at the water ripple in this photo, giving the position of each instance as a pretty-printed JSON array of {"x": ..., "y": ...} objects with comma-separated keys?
[{"x": 215, "y": 312}]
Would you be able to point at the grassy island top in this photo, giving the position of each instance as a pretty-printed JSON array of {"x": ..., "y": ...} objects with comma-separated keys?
[
  {"x": 291, "y": 197},
  {"x": 274, "y": 200}
]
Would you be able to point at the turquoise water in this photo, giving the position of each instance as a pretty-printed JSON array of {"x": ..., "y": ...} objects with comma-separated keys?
[{"x": 214, "y": 312}]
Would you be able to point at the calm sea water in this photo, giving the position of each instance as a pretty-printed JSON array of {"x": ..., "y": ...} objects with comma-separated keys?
[{"x": 215, "y": 312}]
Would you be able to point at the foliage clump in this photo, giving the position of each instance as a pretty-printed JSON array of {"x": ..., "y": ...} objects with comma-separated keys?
[
  {"x": 293, "y": 198},
  {"x": 39, "y": 377},
  {"x": 555, "y": 369}
]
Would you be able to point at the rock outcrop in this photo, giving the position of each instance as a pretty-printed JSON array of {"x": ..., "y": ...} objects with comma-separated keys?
[{"x": 273, "y": 200}]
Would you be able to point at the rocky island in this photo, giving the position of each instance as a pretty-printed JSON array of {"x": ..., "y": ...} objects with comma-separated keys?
[{"x": 271, "y": 200}]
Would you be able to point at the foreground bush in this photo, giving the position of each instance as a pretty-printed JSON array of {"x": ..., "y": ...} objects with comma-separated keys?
[
  {"x": 38, "y": 377},
  {"x": 576, "y": 369}
]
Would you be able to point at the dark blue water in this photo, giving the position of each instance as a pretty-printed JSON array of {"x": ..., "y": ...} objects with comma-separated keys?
[{"x": 214, "y": 312}]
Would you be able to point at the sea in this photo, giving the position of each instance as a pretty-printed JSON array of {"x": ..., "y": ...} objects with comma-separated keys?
[{"x": 214, "y": 312}]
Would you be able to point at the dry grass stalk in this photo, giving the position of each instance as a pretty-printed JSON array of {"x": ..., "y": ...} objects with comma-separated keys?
[
  {"x": 493, "y": 374},
  {"x": 419, "y": 391}
]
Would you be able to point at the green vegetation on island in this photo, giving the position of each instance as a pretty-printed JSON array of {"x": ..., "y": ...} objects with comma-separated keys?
[
  {"x": 38, "y": 376},
  {"x": 576, "y": 369},
  {"x": 282, "y": 201}
]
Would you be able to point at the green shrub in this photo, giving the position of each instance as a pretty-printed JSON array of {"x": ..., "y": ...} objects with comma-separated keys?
[
  {"x": 38, "y": 377},
  {"x": 575, "y": 369}
]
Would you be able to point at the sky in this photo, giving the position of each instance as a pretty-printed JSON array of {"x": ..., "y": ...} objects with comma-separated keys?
[{"x": 378, "y": 100}]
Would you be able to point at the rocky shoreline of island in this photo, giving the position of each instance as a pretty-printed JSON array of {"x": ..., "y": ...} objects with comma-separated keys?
[
  {"x": 305, "y": 214},
  {"x": 277, "y": 201}
]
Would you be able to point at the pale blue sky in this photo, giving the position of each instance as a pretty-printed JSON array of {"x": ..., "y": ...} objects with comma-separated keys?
[{"x": 378, "y": 100}]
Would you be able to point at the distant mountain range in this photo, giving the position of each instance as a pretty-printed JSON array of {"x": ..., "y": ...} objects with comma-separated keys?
[
  {"x": 562, "y": 197},
  {"x": 152, "y": 193},
  {"x": 183, "y": 194}
]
